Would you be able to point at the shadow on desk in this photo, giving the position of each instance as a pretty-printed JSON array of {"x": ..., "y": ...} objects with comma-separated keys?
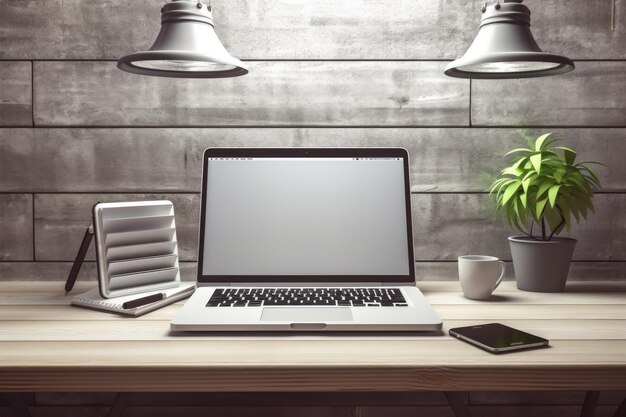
[
  {"x": 308, "y": 334},
  {"x": 596, "y": 287}
]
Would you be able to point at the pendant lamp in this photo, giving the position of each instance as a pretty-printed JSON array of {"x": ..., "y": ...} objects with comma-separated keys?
[
  {"x": 186, "y": 47},
  {"x": 505, "y": 47}
]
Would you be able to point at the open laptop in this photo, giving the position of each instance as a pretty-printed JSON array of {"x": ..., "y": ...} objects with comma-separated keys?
[{"x": 306, "y": 239}]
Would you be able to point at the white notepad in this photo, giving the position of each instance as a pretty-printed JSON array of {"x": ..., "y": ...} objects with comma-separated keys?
[
  {"x": 92, "y": 299},
  {"x": 136, "y": 247}
]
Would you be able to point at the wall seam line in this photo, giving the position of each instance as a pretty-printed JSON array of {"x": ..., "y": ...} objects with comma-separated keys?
[
  {"x": 464, "y": 126},
  {"x": 197, "y": 192},
  {"x": 470, "y": 102},
  {"x": 32, "y": 92},
  {"x": 33, "y": 226}
]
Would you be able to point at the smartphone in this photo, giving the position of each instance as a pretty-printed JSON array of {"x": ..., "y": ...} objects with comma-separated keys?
[{"x": 498, "y": 338}]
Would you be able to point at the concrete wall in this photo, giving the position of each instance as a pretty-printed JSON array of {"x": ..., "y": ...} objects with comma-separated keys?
[{"x": 75, "y": 130}]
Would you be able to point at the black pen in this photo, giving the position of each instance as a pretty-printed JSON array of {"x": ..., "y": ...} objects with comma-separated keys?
[
  {"x": 80, "y": 257},
  {"x": 143, "y": 301}
]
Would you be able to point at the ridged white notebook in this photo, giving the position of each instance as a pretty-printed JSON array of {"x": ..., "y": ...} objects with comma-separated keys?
[
  {"x": 92, "y": 299},
  {"x": 136, "y": 247}
]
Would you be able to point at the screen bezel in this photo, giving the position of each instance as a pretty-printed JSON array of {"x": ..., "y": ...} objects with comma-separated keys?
[{"x": 306, "y": 153}]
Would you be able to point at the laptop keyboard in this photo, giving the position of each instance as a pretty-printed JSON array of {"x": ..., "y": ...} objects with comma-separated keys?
[{"x": 349, "y": 297}]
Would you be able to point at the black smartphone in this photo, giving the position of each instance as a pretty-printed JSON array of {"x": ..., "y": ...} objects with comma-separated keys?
[{"x": 498, "y": 338}]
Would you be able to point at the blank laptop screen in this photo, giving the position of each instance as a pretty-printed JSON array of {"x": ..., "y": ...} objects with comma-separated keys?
[{"x": 305, "y": 217}]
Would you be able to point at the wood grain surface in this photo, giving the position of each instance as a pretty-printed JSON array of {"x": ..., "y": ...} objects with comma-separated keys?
[
  {"x": 438, "y": 220},
  {"x": 424, "y": 270},
  {"x": 262, "y": 400},
  {"x": 58, "y": 271},
  {"x": 52, "y": 345},
  {"x": 360, "y": 399},
  {"x": 446, "y": 226},
  {"x": 323, "y": 74},
  {"x": 61, "y": 219},
  {"x": 125, "y": 330},
  {"x": 299, "y": 29},
  {"x": 106, "y": 160},
  {"x": 393, "y": 95},
  {"x": 16, "y": 107},
  {"x": 592, "y": 95},
  {"x": 16, "y": 225},
  {"x": 487, "y": 411},
  {"x": 316, "y": 411},
  {"x": 322, "y": 93}
]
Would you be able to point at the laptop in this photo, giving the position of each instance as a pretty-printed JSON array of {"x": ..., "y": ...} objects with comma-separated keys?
[{"x": 306, "y": 239}]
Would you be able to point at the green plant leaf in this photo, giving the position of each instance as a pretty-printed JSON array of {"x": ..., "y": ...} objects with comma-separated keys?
[
  {"x": 513, "y": 171},
  {"x": 500, "y": 187},
  {"x": 546, "y": 144},
  {"x": 497, "y": 183},
  {"x": 581, "y": 201},
  {"x": 559, "y": 229},
  {"x": 532, "y": 206},
  {"x": 547, "y": 152},
  {"x": 541, "y": 204},
  {"x": 583, "y": 196},
  {"x": 590, "y": 162},
  {"x": 540, "y": 140},
  {"x": 518, "y": 150},
  {"x": 510, "y": 191},
  {"x": 575, "y": 210},
  {"x": 590, "y": 172},
  {"x": 517, "y": 224},
  {"x": 509, "y": 217},
  {"x": 518, "y": 162},
  {"x": 595, "y": 185},
  {"x": 535, "y": 160},
  {"x": 554, "y": 218},
  {"x": 565, "y": 211},
  {"x": 578, "y": 180},
  {"x": 569, "y": 154},
  {"x": 529, "y": 174},
  {"x": 544, "y": 186},
  {"x": 559, "y": 174},
  {"x": 590, "y": 178},
  {"x": 543, "y": 182},
  {"x": 551, "y": 164},
  {"x": 524, "y": 199},
  {"x": 553, "y": 193}
]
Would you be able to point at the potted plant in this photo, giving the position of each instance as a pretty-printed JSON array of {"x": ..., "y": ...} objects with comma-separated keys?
[{"x": 540, "y": 195}]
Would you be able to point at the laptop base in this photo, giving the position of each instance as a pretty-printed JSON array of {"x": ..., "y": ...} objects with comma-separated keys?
[{"x": 195, "y": 316}]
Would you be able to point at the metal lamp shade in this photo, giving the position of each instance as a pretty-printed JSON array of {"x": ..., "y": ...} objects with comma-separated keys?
[
  {"x": 186, "y": 47},
  {"x": 505, "y": 48}
]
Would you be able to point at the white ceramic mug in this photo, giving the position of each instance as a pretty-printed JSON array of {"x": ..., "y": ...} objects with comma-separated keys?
[{"x": 479, "y": 275}]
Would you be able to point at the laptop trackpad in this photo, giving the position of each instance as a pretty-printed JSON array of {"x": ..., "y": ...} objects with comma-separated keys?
[{"x": 306, "y": 314}]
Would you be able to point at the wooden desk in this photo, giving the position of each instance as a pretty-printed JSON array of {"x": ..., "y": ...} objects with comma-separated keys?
[{"x": 47, "y": 345}]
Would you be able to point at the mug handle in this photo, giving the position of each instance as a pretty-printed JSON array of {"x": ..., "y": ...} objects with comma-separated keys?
[{"x": 502, "y": 269}]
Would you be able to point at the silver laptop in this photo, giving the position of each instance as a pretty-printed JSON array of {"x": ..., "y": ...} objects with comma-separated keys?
[{"x": 306, "y": 240}]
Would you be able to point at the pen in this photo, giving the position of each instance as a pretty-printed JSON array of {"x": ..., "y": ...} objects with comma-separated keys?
[
  {"x": 143, "y": 301},
  {"x": 80, "y": 257}
]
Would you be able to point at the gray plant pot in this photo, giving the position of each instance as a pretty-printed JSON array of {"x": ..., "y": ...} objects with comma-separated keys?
[{"x": 541, "y": 266}]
